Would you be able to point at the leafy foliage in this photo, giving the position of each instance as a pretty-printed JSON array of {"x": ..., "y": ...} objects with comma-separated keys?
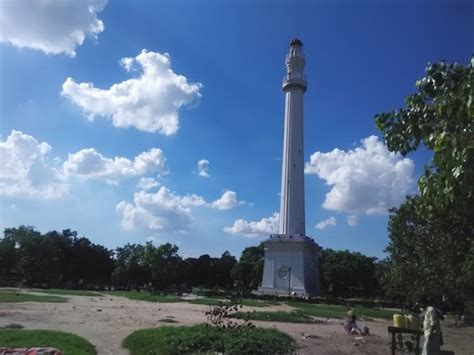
[
  {"x": 431, "y": 235},
  {"x": 53, "y": 259},
  {"x": 218, "y": 316},
  {"x": 247, "y": 274},
  {"x": 348, "y": 274},
  {"x": 441, "y": 116},
  {"x": 131, "y": 268}
]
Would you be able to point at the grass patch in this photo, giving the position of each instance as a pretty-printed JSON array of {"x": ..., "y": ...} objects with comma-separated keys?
[
  {"x": 250, "y": 302},
  {"x": 336, "y": 311},
  {"x": 306, "y": 312},
  {"x": 144, "y": 296},
  {"x": 376, "y": 312},
  {"x": 9, "y": 297},
  {"x": 244, "y": 302},
  {"x": 66, "y": 342},
  {"x": 206, "y": 339},
  {"x": 279, "y": 316},
  {"x": 208, "y": 301},
  {"x": 56, "y": 291}
]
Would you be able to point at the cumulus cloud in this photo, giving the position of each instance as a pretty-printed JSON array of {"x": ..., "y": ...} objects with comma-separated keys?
[
  {"x": 227, "y": 201},
  {"x": 264, "y": 227},
  {"x": 203, "y": 168},
  {"x": 90, "y": 164},
  {"x": 147, "y": 183},
  {"x": 330, "y": 222},
  {"x": 53, "y": 27},
  {"x": 164, "y": 211},
  {"x": 352, "y": 220},
  {"x": 368, "y": 179},
  {"x": 26, "y": 171},
  {"x": 149, "y": 102}
]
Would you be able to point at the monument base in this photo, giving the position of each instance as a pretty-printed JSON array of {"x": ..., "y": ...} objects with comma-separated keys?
[{"x": 291, "y": 266}]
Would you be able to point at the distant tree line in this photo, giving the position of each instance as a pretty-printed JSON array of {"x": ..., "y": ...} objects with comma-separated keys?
[{"x": 62, "y": 259}]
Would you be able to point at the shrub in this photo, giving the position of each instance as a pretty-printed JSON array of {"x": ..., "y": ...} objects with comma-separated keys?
[{"x": 208, "y": 339}]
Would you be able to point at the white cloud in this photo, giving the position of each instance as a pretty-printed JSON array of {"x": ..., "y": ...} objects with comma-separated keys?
[
  {"x": 368, "y": 179},
  {"x": 330, "y": 222},
  {"x": 25, "y": 170},
  {"x": 352, "y": 220},
  {"x": 227, "y": 201},
  {"x": 52, "y": 26},
  {"x": 149, "y": 102},
  {"x": 147, "y": 183},
  {"x": 264, "y": 227},
  {"x": 90, "y": 164},
  {"x": 163, "y": 211},
  {"x": 203, "y": 168}
]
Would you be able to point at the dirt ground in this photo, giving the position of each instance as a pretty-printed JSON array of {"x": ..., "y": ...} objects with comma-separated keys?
[{"x": 107, "y": 320}]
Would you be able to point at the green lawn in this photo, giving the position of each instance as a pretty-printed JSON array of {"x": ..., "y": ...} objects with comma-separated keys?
[
  {"x": 250, "y": 302},
  {"x": 336, "y": 311},
  {"x": 305, "y": 313},
  {"x": 144, "y": 296},
  {"x": 68, "y": 343},
  {"x": 202, "y": 338},
  {"x": 9, "y": 296},
  {"x": 208, "y": 301},
  {"x": 278, "y": 316},
  {"x": 56, "y": 291}
]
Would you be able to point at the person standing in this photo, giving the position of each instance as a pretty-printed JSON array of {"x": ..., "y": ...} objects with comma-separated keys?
[{"x": 432, "y": 330}]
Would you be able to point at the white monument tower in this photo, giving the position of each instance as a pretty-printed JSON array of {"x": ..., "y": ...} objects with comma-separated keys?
[{"x": 291, "y": 258}]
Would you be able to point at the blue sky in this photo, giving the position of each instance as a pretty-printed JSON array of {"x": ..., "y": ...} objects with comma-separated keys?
[{"x": 80, "y": 150}]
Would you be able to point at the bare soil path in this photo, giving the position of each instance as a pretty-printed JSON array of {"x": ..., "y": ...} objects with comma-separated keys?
[{"x": 106, "y": 321}]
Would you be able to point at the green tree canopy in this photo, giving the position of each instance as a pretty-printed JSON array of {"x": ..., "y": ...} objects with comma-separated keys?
[{"x": 431, "y": 235}]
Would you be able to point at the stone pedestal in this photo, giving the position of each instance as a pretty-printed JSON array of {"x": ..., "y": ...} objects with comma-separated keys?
[{"x": 291, "y": 265}]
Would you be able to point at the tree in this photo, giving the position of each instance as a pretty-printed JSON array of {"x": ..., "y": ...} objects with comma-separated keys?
[
  {"x": 164, "y": 263},
  {"x": 247, "y": 273},
  {"x": 346, "y": 274},
  {"x": 222, "y": 269},
  {"x": 441, "y": 116},
  {"x": 431, "y": 235},
  {"x": 54, "y": 259},
  {"x": 38, "y": 259},
  {"x": 131, "y": 268}
]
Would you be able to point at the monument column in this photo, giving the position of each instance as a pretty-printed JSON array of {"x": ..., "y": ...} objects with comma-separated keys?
[
  {"x": 291, "y": 258},
  {"x": 292, "y": 213}
]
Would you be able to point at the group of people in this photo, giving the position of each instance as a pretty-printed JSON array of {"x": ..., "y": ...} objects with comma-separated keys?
[{"x": 433, "y": 337}]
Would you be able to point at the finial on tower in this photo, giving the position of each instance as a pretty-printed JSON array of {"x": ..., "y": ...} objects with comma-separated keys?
[{"x": 296, "y": 42}]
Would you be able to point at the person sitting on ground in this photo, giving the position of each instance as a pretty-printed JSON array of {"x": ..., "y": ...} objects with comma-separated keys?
[{"x": 351, "y": 326}]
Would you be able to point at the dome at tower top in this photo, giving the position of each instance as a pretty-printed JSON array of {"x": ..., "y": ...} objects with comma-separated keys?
[{"x": 296, "y": 42}]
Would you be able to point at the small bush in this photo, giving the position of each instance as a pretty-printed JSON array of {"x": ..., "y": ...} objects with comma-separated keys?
[{"x": 207, "y": 339}]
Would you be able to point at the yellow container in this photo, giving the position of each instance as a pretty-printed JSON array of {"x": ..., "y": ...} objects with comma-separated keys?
[
  {"x": 399, "y": 321},
  {"x": 407, "y": 322},
  {"x": 414, "y": 323}
]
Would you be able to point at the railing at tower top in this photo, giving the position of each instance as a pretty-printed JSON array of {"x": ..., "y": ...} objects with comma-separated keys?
[{"x": 294, "y": 76}]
